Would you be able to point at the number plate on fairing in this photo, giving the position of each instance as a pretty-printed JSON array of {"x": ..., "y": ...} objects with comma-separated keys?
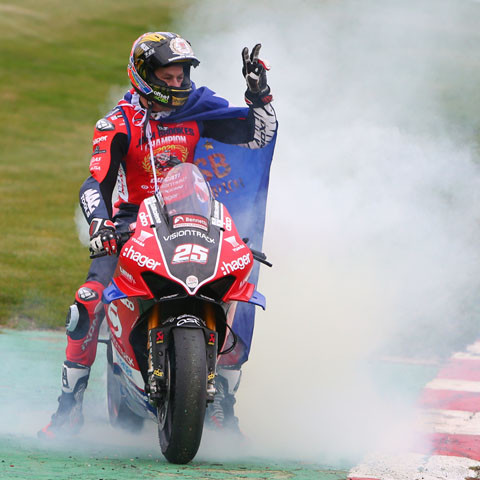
[{"x": 190, "y": 254}]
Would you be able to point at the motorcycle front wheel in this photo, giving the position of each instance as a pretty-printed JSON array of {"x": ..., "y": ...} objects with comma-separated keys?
[{"x": 181, "y": 416}]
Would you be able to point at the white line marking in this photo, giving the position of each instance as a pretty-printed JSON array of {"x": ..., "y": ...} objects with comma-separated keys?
[
  {"x": 449, "y": 421},
  {"x": 466, "y": 356},
  {"x": 409, "y": 467},
  {"x": 474, "y": 348},
  {"x": 451, "y": 384}
]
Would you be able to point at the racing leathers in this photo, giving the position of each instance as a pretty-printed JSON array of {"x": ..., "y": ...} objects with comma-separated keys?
[{"x": 128, "y": 163}]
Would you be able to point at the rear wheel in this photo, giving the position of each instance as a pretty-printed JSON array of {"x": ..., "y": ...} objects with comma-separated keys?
[
  {"x": 118, "y": 411},
  {"x": 181, "y": 416}
]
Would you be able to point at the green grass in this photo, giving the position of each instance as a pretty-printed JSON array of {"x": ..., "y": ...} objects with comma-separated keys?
[{"x": 58, "y": 66}]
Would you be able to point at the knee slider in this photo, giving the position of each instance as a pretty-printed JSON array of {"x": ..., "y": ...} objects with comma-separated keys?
[
  {"x": 77, "y": 322},
  {"x": 82, "y": 311}
]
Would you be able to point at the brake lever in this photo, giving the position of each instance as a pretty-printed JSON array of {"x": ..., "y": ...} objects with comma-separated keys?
[{"x": 258, "y": 256}]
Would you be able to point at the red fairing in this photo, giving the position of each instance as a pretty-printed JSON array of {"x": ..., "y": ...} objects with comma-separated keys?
[
  {"x": 143, "y": 253},
  {"x": 127, "y": 310},
  {"x": 236, "y": 259}
]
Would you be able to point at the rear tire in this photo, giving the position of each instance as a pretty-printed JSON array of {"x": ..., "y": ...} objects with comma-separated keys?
[
  {"x": 119, "y": 413},
  {"x": 185, "y": 408}
]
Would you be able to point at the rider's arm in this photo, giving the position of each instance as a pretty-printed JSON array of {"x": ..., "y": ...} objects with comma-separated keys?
[
  {"x": 255, "y": 131},
  {"x": 110, "y": 145},
  {"x": 259, "y": 128}
]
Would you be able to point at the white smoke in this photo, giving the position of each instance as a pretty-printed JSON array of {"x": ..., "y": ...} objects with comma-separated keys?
[{"x": 372, "y": 221}]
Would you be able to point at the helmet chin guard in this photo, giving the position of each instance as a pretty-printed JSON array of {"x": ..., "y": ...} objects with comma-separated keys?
[{"x": 153, "y": 50}]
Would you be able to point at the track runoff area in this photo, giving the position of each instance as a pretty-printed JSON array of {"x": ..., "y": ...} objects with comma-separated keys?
[{"x": 446, "y": 440}]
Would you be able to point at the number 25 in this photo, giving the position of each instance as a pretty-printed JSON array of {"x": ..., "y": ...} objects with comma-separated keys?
[{"x": 190, "y": 253}]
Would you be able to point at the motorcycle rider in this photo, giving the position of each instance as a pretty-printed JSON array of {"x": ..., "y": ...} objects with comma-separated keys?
[{"x": 157, "y": 123}]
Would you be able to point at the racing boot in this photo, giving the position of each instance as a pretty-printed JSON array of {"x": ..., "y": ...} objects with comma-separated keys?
[
  {"x": 220, "y": 413},
  {"x": 68, "y": 419}
]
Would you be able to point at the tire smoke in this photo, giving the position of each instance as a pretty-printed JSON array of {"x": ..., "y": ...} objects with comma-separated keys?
[{"x": 372, "y": 221}]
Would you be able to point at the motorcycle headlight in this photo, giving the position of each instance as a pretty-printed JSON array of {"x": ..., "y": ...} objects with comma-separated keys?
[
  {"x": 217, "y": 289},
  {"x": 161, "y": 287}
]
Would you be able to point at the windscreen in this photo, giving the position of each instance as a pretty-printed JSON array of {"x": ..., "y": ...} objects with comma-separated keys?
[{"x": 187, "y": 196}]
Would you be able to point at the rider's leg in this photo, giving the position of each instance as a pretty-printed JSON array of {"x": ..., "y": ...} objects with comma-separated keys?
[
  {"x": 83, "y": 322},
  {"x": 220, "y": 413}
]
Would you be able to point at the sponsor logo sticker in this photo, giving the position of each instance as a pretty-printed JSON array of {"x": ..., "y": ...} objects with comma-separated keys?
[
  {"x": 99, "y": 139},
  {"x": 238, "y": 264},
  {"x": 144, "y": 220},
  {"x": 234, "y": 243},
  {"x": 139, "y": 259},
  {"x": 142, "y": 238},
  {"x": 90, "y": 200},
  {"x": 153, "y": 209},
  {"x": 181, "y": 46},
  {"x": 191, "y": 281},
  {"x": 97, "y": 150},
  {"x": 193, "y": 233},
  {"x": 127, "y": 275},
  {"x": 190, "y": 221}
]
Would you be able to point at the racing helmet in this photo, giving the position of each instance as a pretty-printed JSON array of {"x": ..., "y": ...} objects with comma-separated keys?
[{"x": 160, "y": 49}]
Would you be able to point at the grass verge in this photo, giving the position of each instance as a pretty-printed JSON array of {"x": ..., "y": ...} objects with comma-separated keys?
[{"x": 60, "y": 66}]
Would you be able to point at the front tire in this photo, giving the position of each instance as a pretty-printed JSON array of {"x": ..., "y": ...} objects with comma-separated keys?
[{"x": 185, "y": 408}]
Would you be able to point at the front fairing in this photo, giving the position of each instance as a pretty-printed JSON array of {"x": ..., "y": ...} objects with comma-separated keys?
[{"x": 186, "y": 237}]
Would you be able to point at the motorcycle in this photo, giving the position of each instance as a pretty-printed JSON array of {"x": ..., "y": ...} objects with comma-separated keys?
[{"x": 169, "y": 310}]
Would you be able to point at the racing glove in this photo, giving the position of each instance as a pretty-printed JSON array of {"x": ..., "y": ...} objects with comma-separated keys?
[
  {"x": 103, "y": 237},
  {"x": 254, "y": 70}
]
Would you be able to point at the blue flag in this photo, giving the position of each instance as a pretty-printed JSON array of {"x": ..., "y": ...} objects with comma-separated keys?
[{"x": 239, "y": 179}]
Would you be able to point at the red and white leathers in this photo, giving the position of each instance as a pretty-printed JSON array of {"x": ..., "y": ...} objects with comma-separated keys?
[{"x": 128, "y": 152}]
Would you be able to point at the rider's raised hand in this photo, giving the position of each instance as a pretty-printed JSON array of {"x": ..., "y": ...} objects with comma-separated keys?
[
  {"x": 254, "y": 70},
  {"x": 103, "y": 237}
]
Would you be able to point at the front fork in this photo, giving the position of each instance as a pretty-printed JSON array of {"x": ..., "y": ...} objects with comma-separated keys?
[{"x": 158, "y": 342}]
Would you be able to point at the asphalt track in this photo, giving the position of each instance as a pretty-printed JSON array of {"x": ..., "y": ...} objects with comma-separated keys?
[
  {"x": 443, "y": 441},
  {"x": 29, "y": 383},
  {"x": 22, "y": 459}
]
